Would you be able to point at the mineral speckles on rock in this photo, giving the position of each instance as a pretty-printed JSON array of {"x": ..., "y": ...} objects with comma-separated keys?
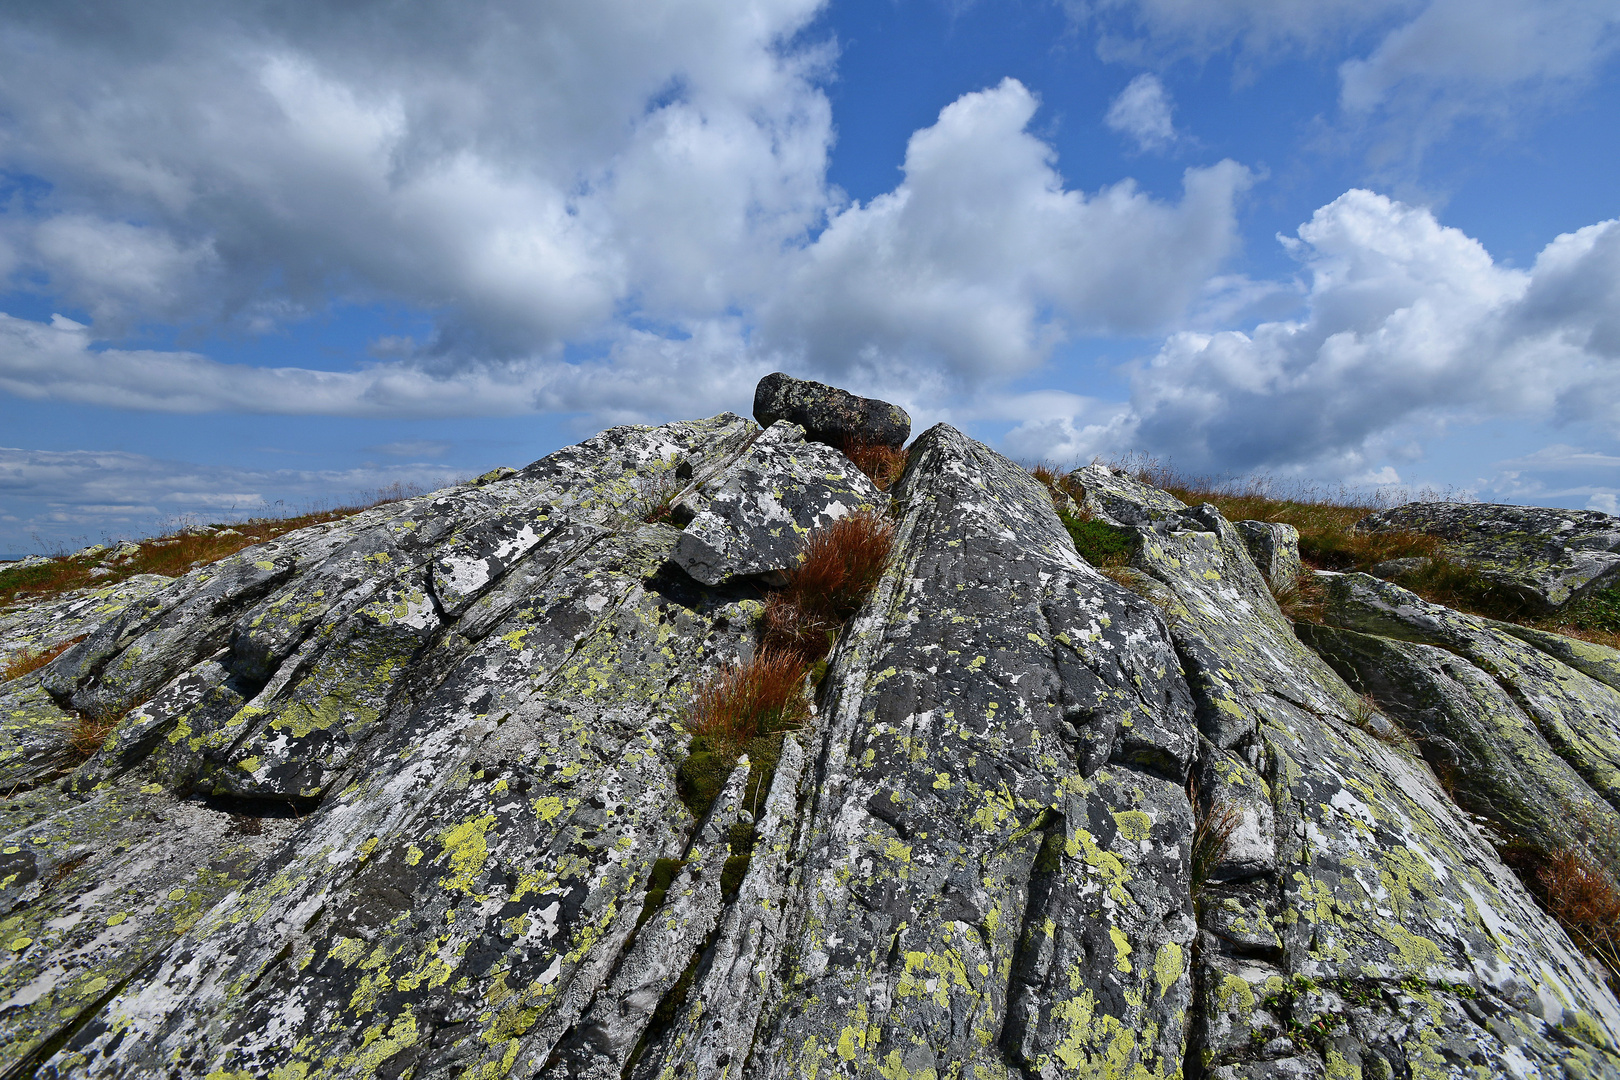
[{"x": 390, "y": 798}]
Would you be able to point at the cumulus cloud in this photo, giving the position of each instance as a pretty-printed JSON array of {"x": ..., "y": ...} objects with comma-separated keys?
[
  {"x": 1142, "y": 111},
  {"x": 525, "y": 171},
  {"x": 1410, "y": 326},
  {"x": 982, "y": 260},
  {"x": 66, "y": 498},
  {"x": 643, "y": 376},
  {"x": 969, "y": 272}
]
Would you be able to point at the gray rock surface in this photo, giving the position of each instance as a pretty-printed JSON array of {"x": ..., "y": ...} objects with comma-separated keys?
[
  {"x": 1274, "y": 547},
  {"x": 753, "y": 518},
  {"x": 828, "y": 414},
  {"x": 1548, "y": 557},
  {"x": 389, "y": 797}
]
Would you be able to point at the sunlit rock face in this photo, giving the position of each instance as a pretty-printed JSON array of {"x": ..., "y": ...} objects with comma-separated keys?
[{"x": 397, "y": 796}]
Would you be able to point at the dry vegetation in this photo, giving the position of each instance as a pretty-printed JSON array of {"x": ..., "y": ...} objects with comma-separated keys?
[
  {"x": 174, "y": 553},
  {"x": 745, "y": 708},
  {"x": 1328, "y": 540},
  {"x": 31, "y": 660},
  {"x": 1581, "y": 895},
  {"x": 882, "y": 464}
]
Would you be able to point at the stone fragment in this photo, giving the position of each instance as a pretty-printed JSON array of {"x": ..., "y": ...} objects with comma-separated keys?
[
  {"x": 830, "y": 415},
  {"x": 1274, "y": 547},
  {"x": 753, "y": 518},
  {"x": 1549, "y": 557}
]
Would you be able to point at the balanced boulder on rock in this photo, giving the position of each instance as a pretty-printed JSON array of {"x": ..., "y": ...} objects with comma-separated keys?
[{"x": 830, "y": 415}]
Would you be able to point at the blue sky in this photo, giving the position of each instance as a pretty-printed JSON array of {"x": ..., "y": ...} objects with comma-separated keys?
[{"x": 254, "y": 258}]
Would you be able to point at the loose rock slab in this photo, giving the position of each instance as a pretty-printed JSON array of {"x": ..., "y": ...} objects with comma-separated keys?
[{"x": 828, "y": 414}]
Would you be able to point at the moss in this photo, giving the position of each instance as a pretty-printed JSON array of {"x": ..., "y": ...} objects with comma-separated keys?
[
  {"x": 663, "y": 875},
  {"x": 1099, "y": 543}
]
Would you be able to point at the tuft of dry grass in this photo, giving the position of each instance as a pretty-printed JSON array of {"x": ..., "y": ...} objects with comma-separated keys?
[
  {"x": 31, "y": 660},
  {"x": 882, "y": 464},
  {"x": 1302, "y": 600},
  {"x": 173, "y": 554},
  {"x": 89, "y": 733},
  {"x": 654, "y": 501},
  {"x": 838, "y": 567},
  {"x": 1212, "y": 835},
  {"x": 1581, "y": 896},
  {"x": 743, "y": 701}
]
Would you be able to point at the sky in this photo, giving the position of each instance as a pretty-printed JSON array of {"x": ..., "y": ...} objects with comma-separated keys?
[{"x": 257, "y": 257}]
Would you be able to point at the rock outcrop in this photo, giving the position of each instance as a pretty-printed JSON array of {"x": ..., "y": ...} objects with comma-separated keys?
[
  {"x": 398, "y": 797},
  {"x": 1548, "y": 557}
]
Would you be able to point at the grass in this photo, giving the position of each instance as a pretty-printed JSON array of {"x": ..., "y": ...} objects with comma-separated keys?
[
  {"x": 1212, "y": 835},
  {"x": 881, "y": 464},
  {"x": 1581, "y": 895},
  {"x": 745, "y": 708},
  {"x": 31, "y": 660},
  {"x": 654, "y": 501},
  {"x": 172, "y": 554},
  {"x": 1099, "y": 543},
  {"x": 1328, "y": 540},
  {"x": 838, "y": 567},
  {"x": 89, "y": 733}
]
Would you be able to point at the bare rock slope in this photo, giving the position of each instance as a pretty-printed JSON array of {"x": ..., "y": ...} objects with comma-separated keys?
[{"x": 397, "y": 797}]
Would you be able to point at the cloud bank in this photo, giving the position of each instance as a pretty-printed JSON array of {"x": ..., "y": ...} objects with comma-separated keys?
[{"x": 1410, "y": 326}]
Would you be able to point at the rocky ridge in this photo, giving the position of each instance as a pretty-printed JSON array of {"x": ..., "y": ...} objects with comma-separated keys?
[{"x": 397, "y": 796}]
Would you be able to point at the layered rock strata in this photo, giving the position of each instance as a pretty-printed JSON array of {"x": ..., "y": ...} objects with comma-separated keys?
[{"x": 397, "y": 797}]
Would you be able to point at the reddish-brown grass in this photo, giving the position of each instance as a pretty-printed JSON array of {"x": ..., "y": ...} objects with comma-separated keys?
[
  {"x": 89, "y": 733},
  {"x": 840, "y": 564},
  {"x": 882, "y": 464},
  {"x": 31, "y": 660},
  {"x": 743, "y": 701},
  {"x": 1582, "y": 897}
]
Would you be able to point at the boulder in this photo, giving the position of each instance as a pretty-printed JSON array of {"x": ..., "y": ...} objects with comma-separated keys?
[
  {"x": 830, "y": 415},
  {"x": 1274, "y": 547},
  {"x": 1548, "y": 557}
]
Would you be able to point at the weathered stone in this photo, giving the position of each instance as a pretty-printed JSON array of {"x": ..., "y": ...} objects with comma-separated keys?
[
  {"x": 995, "y": 857},
  {"x": 1382, "y": 884},
  {"x": 1490, "y": 755},
  {"x": 1577, "y": 715},
  {"x": 1547, "y": 556},
  {"x": 1274, "y": 547},
  {"x": 752, "y": 519},
  {"x": 830, "y": 415}
]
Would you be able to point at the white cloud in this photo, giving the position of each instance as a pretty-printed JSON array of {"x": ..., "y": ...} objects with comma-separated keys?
[
  {"x": 1142, "y": 111},
  {"x": 981, "y": 260},
  {"x": 966, "y": 274},
  {"x": 524, "y": 171},
  {"x": 1410, "y": 326},
  {"x": 643, "y": 376}
]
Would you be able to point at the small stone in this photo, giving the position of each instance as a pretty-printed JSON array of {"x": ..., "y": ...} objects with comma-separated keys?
[
  {"x": 90, "y": 552},
  {"x": 830, "y": 415}
]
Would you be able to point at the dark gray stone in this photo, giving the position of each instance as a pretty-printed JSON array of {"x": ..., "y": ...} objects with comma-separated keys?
[{"x": 828, "y": 414}]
